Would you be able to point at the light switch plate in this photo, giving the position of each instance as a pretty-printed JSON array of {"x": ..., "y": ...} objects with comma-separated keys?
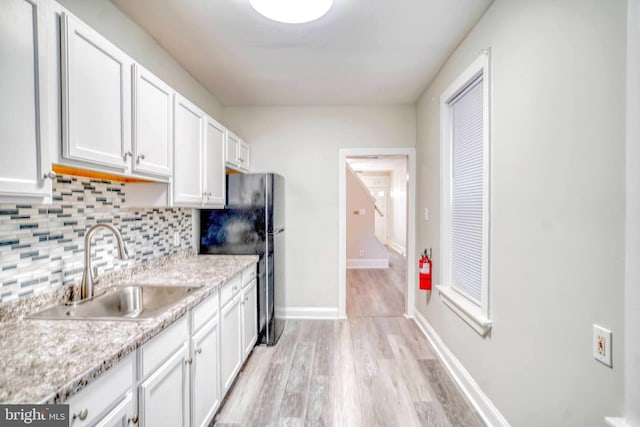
[
  {"x": 176, "y": 239},
  {"x": 602, "y": 345}
]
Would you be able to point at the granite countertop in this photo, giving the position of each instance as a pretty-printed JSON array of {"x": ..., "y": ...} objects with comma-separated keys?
[{"x": 47, "y": 361}]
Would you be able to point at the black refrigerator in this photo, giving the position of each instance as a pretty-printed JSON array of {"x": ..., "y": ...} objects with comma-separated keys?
[{"x": 252, "y": 223}]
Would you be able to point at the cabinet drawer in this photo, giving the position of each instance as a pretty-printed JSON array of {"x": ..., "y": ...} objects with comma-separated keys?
[
  {"x": 248, "y": 274},
  {"x": 102, "y": 394},
  {"x": 160, "y": 348},
  {"x": 205, "y": 311},
  {"x": 229, "y": 289}
]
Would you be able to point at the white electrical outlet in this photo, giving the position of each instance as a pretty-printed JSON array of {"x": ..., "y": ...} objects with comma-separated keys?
[
  {"x": 176, "y": 239},
  {"x": 426, "y": 214},
  {"x": 602, "y": 345},
  {"x": 361, "y": 252}
]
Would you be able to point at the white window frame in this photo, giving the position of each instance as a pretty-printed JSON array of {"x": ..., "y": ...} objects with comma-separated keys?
[{"x": 476, "y": 316}]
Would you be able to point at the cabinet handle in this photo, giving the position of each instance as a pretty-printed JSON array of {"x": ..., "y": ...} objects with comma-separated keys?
[
  {"x": 209, "y": 194},
  {"x": 189, "y": 361},
  {"x": 198, "y": 350},
  {"x": 127, "y": 155},
  {"x": 133, "y": 419},
  {"x": 204, "y": 194},
  {"x": 82, "y": 415},
  {"x": 241, "y": 160},
  {"x": 50, "y": 175},
  {"x": 140, "y": 157}
]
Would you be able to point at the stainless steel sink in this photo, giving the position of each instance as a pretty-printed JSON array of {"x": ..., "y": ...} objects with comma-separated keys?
[{"x": 122, "y": 303}]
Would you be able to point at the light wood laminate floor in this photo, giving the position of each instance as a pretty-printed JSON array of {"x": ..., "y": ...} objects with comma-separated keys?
[
  {"x": 377, "y": 292},
  {"x": 364, "y": 371}
]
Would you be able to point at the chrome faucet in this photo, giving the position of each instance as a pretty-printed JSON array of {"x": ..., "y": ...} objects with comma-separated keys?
[{"x": 88, "y": 275}]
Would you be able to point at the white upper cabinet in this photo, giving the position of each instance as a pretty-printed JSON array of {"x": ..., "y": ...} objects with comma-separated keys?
[
  {"x": 244, "y": 155},
  {"x": 24, "y": 151},
  {"x": 233, "y": 142},
  {"x": 96, "y": 98},
  {"x": 237, "y": 154},
  {"x": 152, "y": 124},
  {"x": 214, "y": 168},
  {"x": 188, "y": 141}
]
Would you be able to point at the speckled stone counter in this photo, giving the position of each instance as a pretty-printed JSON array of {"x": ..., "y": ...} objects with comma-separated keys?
[{"x": 47, "y": 361}]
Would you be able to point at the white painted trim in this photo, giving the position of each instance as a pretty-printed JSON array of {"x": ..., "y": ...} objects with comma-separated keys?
[
  {"x": 309, "y": 313},
  {"x": 465, "y": 309},
  {"x": 342, "y": 222},
  {"x": 480, "y": 401},
  {"x": 359, "y": 263},
  {"x": 616, "y": 422},
  {"x": 481, "y": 66},
  {"x": 397, "y": 247}
]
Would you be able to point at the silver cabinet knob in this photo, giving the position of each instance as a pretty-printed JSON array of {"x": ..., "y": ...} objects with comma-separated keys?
[
  {"x": 50, "y": 175},
  {"x": 81, "y": 415},
  {"x": 140, "y": 157},
  {"x": 189, "y": 361},
  {"x": 198, "y": 351},
  {"x": 133, "y": 419},
  {"x": 127, "y": 155}
]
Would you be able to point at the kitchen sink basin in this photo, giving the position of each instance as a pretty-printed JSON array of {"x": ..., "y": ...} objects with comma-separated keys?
[{"x": 121, "y": 303}]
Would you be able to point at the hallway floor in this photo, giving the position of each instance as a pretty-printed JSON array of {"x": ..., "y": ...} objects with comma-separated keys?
[
  {"x": 378, "y": 292},
  {"x": 375, "y": 368}
]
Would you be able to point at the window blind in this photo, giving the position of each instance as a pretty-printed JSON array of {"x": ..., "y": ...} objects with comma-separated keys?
[{"x": 467, "y": 191}]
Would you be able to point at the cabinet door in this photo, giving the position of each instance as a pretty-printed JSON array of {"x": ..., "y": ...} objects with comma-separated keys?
[
  {"x": 249, "y": 318},
  {"x": 187, "y": 153},
  {"x": 205, "y": 391},
  {"x": 152, "y": 124},
  {"x": 214, "y": 173},
  {"x": 96, "y": 95},
  {"x": 163, "y": 396},
  {"x": 243, "y": 156},
  {"x": 233, "y": 145},
  {"x": 121, "y": 415},
  {"x": 24, "y": 155},
  {"x": 230, "y": 342}
]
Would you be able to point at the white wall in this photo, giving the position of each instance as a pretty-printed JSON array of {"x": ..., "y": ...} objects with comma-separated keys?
[
  {"x": 112, "y": 24},
  {"x": 632, "y": 286},
  {"x": 302, "y": 143},
  {"x": 398, "y": 209},
  {"x": 361, "y": 227},
  {"x": 557, "y": 224}
]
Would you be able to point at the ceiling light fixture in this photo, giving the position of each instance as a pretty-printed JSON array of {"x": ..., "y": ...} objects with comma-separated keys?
[{"x": 292, "y": 11}]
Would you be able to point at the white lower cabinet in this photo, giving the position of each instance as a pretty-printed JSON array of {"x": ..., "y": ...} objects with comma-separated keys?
[
  {"x": 230, "y": 342},
  {"x": 121, "y": 415},
  {"x": 164, "y": 395},
  {"x": 249, "y": 305},
  {"x": 96, "y": 403},
  {"x": 205, "y": 380}
]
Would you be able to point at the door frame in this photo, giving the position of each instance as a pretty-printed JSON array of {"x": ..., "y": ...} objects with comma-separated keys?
[{"x": 343, "y": 154}]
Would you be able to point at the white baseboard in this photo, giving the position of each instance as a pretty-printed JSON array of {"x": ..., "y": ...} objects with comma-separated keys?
[
  {"x": 487, "y": 410},
  {"x": 397, "y": 247},
  {"x": 309, "y": 313},
  {"x": 368, "y": 263}
]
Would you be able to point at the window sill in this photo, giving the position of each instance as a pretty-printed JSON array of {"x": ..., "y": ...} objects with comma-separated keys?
[{"x": 465, "y": 309}]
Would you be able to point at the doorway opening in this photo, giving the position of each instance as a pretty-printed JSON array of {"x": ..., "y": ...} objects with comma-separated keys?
[{"x": 376, "y": 232}]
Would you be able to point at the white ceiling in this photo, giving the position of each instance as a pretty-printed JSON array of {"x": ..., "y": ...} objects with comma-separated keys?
[{"x": 360, "y": 52}]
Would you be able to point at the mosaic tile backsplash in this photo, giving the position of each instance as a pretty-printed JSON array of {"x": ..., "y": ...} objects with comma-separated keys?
[{"x": 41, "y": 246}]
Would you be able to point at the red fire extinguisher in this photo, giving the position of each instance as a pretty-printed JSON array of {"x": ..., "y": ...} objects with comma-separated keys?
[{"x": 425, "y": 270}]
